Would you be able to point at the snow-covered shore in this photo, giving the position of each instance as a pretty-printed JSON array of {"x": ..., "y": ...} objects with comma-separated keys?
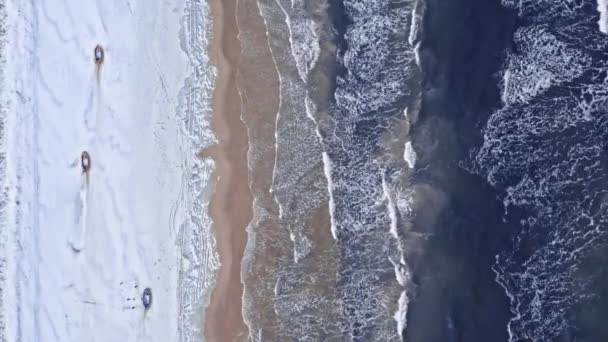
[{"x": 81, "y": 249}]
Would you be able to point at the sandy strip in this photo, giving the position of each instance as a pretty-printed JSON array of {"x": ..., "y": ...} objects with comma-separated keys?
[{"x": 231, "y": 203}]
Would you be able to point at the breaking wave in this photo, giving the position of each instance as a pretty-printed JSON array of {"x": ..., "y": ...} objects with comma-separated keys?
[
  {"x": 341, "y": 166},
  {"x": 365, "y": 144}
]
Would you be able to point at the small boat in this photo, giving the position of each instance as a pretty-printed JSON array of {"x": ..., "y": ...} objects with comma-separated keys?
[
  {"x": 98, "y": 54},
  {"x": 85, "y": 161},
  {"x": 146, "y": 298}
]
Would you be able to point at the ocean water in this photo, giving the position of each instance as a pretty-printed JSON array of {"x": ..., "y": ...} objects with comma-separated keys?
[
  {"x": 341, "y": 157},
  {"x": 368, "y": 165},
  {"x": 287, "y": 263},
  {"x": 457, "y": 217},
  {"x": 544, "y": 149},
  {"x": 459, "y": 159}
]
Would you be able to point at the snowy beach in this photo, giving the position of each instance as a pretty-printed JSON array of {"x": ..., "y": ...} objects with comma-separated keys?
[{"x": 81, "y": 247}]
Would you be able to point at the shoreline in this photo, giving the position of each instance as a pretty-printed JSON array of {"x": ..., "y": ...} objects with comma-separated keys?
[{"x": 231, "y": 203}]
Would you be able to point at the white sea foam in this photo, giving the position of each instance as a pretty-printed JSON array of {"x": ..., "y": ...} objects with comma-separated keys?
[
  {"x": 303, "y": 38},
  {"x": 297, "y": 143},
  {"x": 392, "y": 210},
  {"x": 416, "y": 23},
  {"x": 401, "y": 313},
  {"x": 602, "y": 8},
  {"x": 417, "y": 54},
  {"x": 541, "y": 61},
  {"x": 543, "y": 150},
  {"x": 504, "y": 86},
  {"x": 512, "y": 300},
  {"x": 409, "y": 154},
  {"x": 301, "y": 246},
  {"x": 401, "y": 270},
  {"x": 298, "y": 188},
  {"x": 123, "y": 219},
  {"x": 352, "y": 190},
  {"x": 400, "y": 206},
  {"x": 365, "y": 189},
  {"x": 327, "y": 168}
]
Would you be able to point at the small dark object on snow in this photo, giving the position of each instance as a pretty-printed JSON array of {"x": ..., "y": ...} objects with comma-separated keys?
[
  {"x": 146, "y": 298},
  {"x": 85, "y": 161},
  {"x": 98, "y": 54}
]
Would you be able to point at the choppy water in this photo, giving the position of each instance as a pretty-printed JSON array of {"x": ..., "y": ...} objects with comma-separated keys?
[
  {"x": 349, "y": 89},
  {"x": 376, "y": 96},
  {"x": 545, "y": 150},
  {"x": 355, "y": 155}
]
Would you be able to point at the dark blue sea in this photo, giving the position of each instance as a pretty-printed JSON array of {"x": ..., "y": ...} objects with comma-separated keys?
[
  {"x": 504, "y": 236},
  {"x": 439, "y": 173}
]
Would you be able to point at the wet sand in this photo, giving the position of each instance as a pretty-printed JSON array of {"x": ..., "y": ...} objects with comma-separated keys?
[
  {"x": 231, "y": 203},
  {"x": 269, "y": 257}
]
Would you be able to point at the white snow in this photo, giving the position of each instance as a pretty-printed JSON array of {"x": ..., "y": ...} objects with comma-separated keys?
[{"x": 83, "y": 248}]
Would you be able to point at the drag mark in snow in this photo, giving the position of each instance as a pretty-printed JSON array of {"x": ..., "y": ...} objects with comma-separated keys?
[{"x": 78, "y": 241}]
